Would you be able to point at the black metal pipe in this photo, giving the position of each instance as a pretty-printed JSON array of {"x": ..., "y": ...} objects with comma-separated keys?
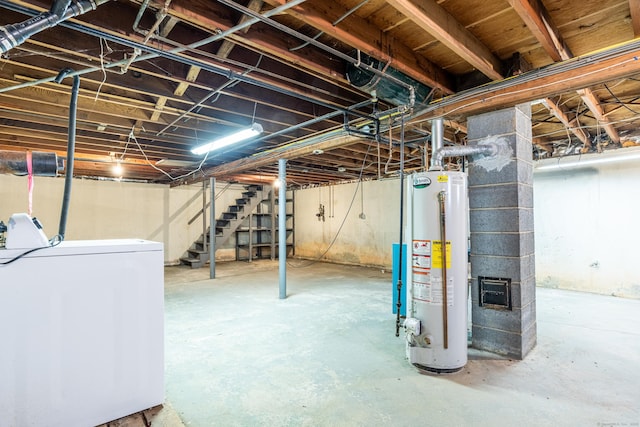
[
  {"x": 174, "y": 55},
  {"x": 399, "y": 284},
  {"x": 43, "y": 164},
  {"x": 12, "y": 35},
  {"x": 71, "y": 143}
]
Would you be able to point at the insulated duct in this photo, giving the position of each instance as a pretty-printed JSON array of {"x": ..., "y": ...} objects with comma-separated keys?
[
  {"x": 17, "y": 163},
  {"x": 494, "y": 154},
  {"x": 12, "y": 35},
  {"x": 460, "y": 151},
  {"x": 387, "y": 89}
]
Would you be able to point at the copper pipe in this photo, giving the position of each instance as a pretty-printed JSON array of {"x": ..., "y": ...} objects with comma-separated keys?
[{"x": 443, "y": 246}]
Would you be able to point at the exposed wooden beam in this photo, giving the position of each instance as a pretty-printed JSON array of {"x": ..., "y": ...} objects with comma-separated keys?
[
  {"x": 593, "y": 103},
  {"x": 359, "y": 34},
  {"x": 572, "y": 124},
  {"x": 159, "y": 107},
  {"x": 526, "y": 87},
  {"x": 227, "y": 45},
  {"x": 192, "y": 75},
  {"x": 223, "y": 51},
  {"x": 52, "y": 99},
  {"x": 167, "y": 25},
  {"x": 537, "y": 19},
  {"x": 269, "y": 43},
  {"x": 523, "y": 88},
  {"x": 432, "y": 18},
  {"x": 634, "y": 8},
  {"x": 271, "y": 157}
]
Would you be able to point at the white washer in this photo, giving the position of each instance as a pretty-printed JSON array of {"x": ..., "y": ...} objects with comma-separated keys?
[{"x": 82, "y": 332}]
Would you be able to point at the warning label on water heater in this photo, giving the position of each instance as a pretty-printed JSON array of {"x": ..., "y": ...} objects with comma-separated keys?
[
  {"x": 437, "y": 254},
  {"x": 428, "y": 289},
  {"x": 422, "y": 247},
  {"x": 421, "y": 256}
]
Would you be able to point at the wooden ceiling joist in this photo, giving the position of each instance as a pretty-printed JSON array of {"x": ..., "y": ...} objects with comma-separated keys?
[
  {"x": 362, "y": 36},
  {"x": 573, "y": 124},
  {"x": 537, "y": 19},
  {"x": 173, "y": 101},
  {"x": 634, "y": 8},
  {"x": 557, "y": 80},
  {"x": 434, "y": 19}
]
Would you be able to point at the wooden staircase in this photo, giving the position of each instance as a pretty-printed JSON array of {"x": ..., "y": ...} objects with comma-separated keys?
[{"x": 226, "y": 225}]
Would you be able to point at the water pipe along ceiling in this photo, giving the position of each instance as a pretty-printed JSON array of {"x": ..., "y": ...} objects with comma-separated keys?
[{"x": 327, "y": 81}]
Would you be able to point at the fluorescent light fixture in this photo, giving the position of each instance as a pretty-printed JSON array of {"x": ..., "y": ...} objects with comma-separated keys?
[
  {"x": 174, "y": 163},
  {"x": 583, "y": 160},
  {"x": 241, "y": 135}
]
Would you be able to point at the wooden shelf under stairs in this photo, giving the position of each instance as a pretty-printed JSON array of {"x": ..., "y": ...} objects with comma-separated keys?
[{"x": 226, "y": 225}]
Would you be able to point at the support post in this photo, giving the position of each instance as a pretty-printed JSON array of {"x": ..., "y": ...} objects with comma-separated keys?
[
  {"x": 205, "y": 246},
  {"x": 282, "y": 226},
  {"x": 212, "y": 229},
  {"x": 502, "y": 236}
]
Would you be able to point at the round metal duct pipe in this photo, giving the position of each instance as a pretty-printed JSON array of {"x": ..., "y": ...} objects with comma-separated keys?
[
  {"x": 386, "y": 89},
  {"x": 44, "y": 164}
]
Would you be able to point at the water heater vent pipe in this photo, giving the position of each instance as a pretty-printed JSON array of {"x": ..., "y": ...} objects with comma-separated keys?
[
  {"x": 460, "y": 151},
  {"x": 437, "y": 141},
  {"x": 490, "y": 147}
]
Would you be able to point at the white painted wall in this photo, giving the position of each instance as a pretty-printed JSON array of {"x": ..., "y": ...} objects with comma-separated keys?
[
  {"x": 111, "y": 210},
  {"x": 587, "y": 230},
  {"x": 361, "y": 241},
  {"x": 585, "y": 226}
]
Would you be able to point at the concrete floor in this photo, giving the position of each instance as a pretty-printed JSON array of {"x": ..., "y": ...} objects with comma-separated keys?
[{"x": 327, "y": 355}]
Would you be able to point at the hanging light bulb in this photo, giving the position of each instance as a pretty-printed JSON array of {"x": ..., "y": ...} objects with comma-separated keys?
[{"x": 117, "y": 168}]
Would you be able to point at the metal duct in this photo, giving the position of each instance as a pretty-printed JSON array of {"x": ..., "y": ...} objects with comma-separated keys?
[
  {"x": 437, "y": 142},
  {"x": 12, "y": 35},
  {"x": 16, "y": 163},
  {"x": 388, "y": 89},
  {"x": 489, "y": 150}
]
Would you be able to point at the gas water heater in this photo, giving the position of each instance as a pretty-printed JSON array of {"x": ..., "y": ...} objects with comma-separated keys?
[{"x": 436, "y": 323}]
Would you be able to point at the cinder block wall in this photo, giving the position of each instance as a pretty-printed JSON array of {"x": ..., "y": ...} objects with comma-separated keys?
[{"x": 502, "y": 237}]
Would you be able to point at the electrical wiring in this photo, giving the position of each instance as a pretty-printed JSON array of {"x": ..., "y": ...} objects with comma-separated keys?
[
  {"x": 104, "y": 71},
  {"x": 146, "y": 158},
  {"x": 54, "y": 241},
  {"x": 622, "y": 104},
  {"x": 620, "y": 121}
]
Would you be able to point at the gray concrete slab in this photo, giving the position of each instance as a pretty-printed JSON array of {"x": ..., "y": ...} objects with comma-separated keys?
[{"x": 327, "y": 355}]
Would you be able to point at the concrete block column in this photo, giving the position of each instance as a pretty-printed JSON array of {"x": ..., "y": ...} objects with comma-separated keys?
[{"x": 501, "y": 225}]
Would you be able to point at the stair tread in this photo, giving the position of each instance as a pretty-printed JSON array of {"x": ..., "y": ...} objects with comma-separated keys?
[
  {"x": 198, "y": 251},
  {"x": 226, "y": 224}
]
